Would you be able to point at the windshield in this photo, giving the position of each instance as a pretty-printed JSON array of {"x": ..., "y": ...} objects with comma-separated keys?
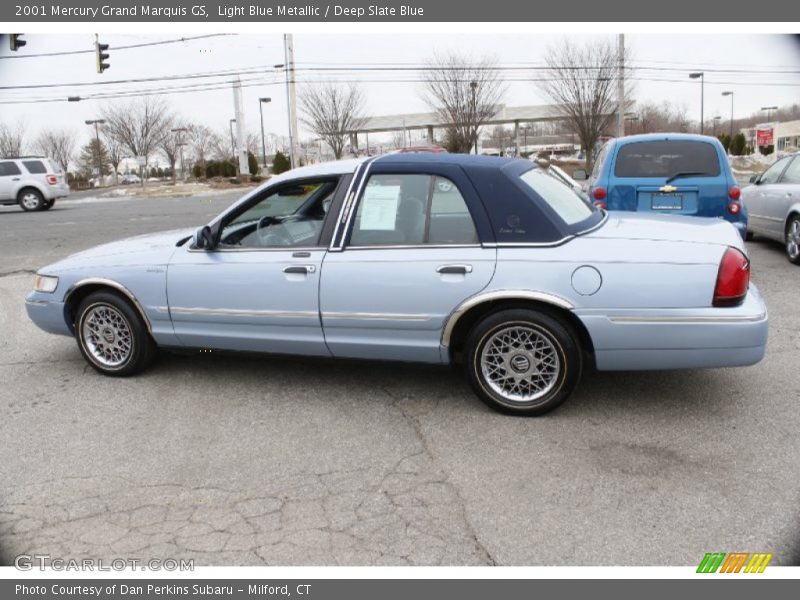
[
  {"x": 566, "y": 203},
  {"x": 667, "y": 158}
]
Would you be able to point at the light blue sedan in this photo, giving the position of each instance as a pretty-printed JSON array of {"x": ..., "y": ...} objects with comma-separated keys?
[{"x": 434, "y": 258}]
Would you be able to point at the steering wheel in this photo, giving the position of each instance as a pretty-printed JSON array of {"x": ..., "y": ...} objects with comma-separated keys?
[{"x": 271, "y": 232}]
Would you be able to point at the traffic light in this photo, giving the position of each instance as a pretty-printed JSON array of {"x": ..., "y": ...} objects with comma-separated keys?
[
  {"x": 100, "y": 56},
  {"x": 16, "y": 41}
]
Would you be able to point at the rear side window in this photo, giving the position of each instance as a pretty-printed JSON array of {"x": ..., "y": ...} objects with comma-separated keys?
[
  {"x": 411, "y": 209},
  {"x": 35, "y": 167},
  {"x": 666, "y": 158},
  {"x": 9, "y": 168}
]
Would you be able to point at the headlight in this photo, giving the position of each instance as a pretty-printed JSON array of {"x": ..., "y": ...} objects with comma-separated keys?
[{"x": 45, "y": 283}]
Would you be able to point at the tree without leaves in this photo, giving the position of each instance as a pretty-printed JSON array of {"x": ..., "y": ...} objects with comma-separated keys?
[
  {"x": 115, "y": 153},
  {"x": 11, "y": 140},
  {"x": 58, "y": 145},
  {"x": 140, "y": 126},
  {"x": 464, "y": 93},
  {"x": 201, "y": 142},
  {"x": 332, "y": 111},
  {"x": 582, "y": 84}
]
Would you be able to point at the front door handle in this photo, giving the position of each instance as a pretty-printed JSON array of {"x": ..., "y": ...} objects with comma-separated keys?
[
  {"x": 454, "y": 269},
  {"x": 300, "y": 269},
  {"x": 15, "y": 179}
]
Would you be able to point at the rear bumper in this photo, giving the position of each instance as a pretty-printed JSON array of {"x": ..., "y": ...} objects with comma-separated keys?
[{"x": 679, "y": 338}]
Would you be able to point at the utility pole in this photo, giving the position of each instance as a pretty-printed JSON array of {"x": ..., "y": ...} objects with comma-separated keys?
[
  {"x": 97, "y": 122},
  {"x": 291, "y": 96},
  {"x": 241, "y": 146},
  {"x": 180, "y": 131},
  {"x": 621, "y": 86}
]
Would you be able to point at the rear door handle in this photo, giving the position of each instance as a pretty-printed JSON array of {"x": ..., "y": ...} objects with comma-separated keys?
[
  {"x": 301, "y": 269},
  {"x": 454, "y": 269},
  {"x": 15, "y": 179}
]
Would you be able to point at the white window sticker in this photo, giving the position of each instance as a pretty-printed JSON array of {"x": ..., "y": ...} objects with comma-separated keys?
[{"x": 379, "y": 207}]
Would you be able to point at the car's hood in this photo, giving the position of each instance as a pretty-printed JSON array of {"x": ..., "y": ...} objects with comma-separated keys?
[
  {"x": 670, "y": 228},
  {"x": 151, "y": 249}
]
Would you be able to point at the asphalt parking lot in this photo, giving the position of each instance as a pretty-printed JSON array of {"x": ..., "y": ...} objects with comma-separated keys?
[{"x": 239, "y": 460}]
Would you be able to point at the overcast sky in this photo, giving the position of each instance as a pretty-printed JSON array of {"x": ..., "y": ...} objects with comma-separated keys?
[{"x": 656, "y": 57}]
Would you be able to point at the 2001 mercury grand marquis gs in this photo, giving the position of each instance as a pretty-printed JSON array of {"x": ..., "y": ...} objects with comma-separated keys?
[{"x": 421, "y": 257}]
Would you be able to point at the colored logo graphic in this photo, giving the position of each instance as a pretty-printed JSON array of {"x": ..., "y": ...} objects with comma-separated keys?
[{"x": 736, "y": 562}]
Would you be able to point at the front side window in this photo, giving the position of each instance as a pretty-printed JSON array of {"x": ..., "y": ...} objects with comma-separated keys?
[
  {"x": 565, "y": 202},
  {"x": 291, "y": 216},
  {"x": 9, "y": 168},
  {"x": 412, "y": 210},
  {"x": 667, "y": 158},
  {"x": 772, "y": 174},
  {"x": 35, "y": 167}
]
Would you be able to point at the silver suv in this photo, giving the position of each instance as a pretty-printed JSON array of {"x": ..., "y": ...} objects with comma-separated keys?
[{"x": 33, "y": 182}]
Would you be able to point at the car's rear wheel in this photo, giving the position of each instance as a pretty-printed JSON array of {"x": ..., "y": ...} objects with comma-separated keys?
[
  {"x": 523, "y": 362},
  {"x": 112, "y": 336},
  {"x": 793, "y": 240},
  {"x": 30, "y": 199},
  {"x": 48, "y": 204}
]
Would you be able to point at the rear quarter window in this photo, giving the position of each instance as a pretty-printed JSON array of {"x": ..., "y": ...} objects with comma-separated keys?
[
  {"x": 34, "y": 167},
  {"x": 665, "y": 158}
]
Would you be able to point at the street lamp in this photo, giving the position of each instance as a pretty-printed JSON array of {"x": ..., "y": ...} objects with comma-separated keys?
[
  {"x": 731, "y": 95},
  {"x": 233, "y": 143},
  {"x": 261, "y": 102},
  {"x": 700, "y": 76},
  {"x": 769, "y": 110},
  {"x": 97, "y": 122},
  {"x": 179, "y": 131},
  {"x": 473, "y": 86}
]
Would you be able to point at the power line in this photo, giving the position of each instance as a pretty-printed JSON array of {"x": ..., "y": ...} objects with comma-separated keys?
[{"x": 127, "y": 47}]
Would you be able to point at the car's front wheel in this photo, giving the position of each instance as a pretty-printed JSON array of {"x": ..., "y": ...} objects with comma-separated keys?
[
  {"x": 111, "y": 335},
  {"x": 523, "y": 362},
  {"x": 793, "y": 240},
  {"x": 31, "y": 199}
]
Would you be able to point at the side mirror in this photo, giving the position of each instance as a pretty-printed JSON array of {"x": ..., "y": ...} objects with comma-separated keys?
[
  {"x": 204, "y": 238},
  {"x": 579, "y": 175},
  {"x": 754, "y": 178}
]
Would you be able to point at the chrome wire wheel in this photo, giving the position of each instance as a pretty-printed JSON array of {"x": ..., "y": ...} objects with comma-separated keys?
[
  {"x": 106, "y": 336},
  {"x": 520, "y": 363},
  {"x": 793, "y": 240}
]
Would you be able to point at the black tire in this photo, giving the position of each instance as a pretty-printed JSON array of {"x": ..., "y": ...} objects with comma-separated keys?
[
  {"x": 48, "y": 204},
  {"x": 30, "y": 199},
  {"x": 121, "y": 345},
  {"x": 748, "y": 236},
  {"x": 792, "y": 240},
  {"x": 556, "y": 343}
]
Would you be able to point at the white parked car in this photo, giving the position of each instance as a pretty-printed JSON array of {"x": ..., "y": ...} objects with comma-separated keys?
[{"x": 33, "y": 182}]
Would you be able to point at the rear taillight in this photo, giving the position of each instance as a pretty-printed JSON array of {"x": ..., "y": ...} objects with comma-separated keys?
[
  {"x": 734, "y": 193},
  {"x": 734, "y": 208},
  {"x": 52, "y": 179},
  {"x": 599, "y": 193},
  {"x": 733, "y": 279},
  {"x": 600, "y": 204}
]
